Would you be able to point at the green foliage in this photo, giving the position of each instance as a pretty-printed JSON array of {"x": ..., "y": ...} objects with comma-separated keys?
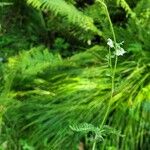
[
  {"x": 126, "y": 7},
  {"x": 42, "y": 93},
  {"x": 68, "y": 12},
  {"x": 97, "y": 134},
  {"x": 61, "y": 46},
  {"x": 136, "y": 32},
  {"x": 69, "y": 91},
  {"x": 4, "y": 4},
  {"x": 100, "y": 132},
  {"x": 26, "y": 65}
]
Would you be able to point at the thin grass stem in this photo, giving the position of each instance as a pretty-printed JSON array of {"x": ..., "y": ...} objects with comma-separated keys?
[{"x": 113, "y": 68}]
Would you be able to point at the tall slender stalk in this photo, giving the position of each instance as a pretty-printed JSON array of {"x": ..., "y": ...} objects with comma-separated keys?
[
  {"x": 94, "y": 143},
  {"x": 113, "y": 68}
]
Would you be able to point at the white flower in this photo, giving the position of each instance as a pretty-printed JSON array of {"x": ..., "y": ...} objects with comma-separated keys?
[
  {"x": 110, "y": 43},
  {"x": 120, "y": 51},
  {"x": 89, "y": 42}
]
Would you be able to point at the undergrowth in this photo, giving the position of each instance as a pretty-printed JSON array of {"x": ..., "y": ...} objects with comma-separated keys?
[{"x": 58, "y": 95}]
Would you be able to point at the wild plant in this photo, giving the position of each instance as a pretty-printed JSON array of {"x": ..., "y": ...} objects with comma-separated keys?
[
  {"x": 115, "y": 50},
  {"x": 51, "y": 92}
]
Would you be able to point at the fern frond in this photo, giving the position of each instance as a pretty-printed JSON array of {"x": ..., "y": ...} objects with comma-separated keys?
[
  {"x": 84, "y": 127},
  {"x": 126, "y": 7},
  {"x": 33, "y": 61},
  {"x": 26, "y": 65},
  {"x": 66, "y": 11}
]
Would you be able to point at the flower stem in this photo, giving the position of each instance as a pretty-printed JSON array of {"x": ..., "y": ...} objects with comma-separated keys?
[
  {"x": 110, "y": 61},
  {"x": 94, "y": 143},
  {"x": 113, "y": 68}
]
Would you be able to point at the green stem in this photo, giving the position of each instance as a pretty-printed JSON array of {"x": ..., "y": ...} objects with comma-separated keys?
[
  {"x": 94, "y": 144},
  {"x": 115, "y": 64},
  {"x": 110, "y": 62}
]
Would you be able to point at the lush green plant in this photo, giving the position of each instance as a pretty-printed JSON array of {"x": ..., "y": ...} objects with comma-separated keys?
[
  {"x": 72, "y": 92},
  {"x": 42, "y": 94}
]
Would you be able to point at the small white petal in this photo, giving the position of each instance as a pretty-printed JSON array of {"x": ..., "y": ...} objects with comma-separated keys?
[
  {"x": 121, "y": 43},
  {"x": 89, "y": 42},
  {"x": 110, "y": 43},
  {"x": 120, "y": 52}
]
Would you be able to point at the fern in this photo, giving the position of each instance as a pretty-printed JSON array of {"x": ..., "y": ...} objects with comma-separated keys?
[
  {"x": 99, "y": 132},
  {"x": 126, "y": 7},
  {"x": 33, "y": 61},
  {"x": 136, "y": 34},
  {"x": 66, "y": 11},
  {"x": 84, "y": 127},
  {"x": 25, "y": 66}
]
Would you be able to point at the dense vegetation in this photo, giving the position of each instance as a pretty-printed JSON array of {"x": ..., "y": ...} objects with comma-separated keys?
[{"x": 75, "y": 75}]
